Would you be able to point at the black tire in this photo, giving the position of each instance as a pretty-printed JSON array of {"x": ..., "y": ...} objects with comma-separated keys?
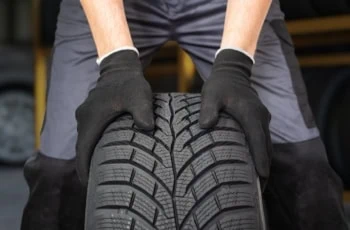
[
  {"x": 16, "y": 124},
  {"x": 333, "y": 7},
  {"x": 297, "y": 9},
  {"x": 49, "y": 10},
  {"x": 333, "y": 119},
  {"x": 132, "y": 183}
]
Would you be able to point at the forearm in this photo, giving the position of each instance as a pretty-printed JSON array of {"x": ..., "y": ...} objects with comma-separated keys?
[
  {"x": 108, "y": 24},
  {"x": 243, "y": 23}
]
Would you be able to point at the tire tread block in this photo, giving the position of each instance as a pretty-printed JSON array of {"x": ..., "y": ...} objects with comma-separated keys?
[{"x": 178, "y": 177}]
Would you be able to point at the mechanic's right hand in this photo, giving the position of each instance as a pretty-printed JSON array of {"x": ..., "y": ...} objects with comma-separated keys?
[{"x": 121, "y": 88}]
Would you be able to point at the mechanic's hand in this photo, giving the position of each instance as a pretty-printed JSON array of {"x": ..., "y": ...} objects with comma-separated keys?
[
  {"x": 228, "y": 89},
  {"x": 121, "y": 88}
]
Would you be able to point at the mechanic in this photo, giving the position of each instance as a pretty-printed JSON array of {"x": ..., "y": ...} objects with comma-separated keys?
[{"x": 242, "y": 51}]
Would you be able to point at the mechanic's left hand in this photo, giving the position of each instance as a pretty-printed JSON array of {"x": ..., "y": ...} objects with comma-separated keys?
[{"x": 228, "y": 88}]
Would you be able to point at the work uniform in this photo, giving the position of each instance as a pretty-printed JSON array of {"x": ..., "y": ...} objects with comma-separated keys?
[{"x": 303, "y": 191}]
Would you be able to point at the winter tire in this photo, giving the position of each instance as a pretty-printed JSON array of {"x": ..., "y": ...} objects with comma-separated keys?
[
  {"x": 176, "y": 177},
  {"x": 16, "y": 125},
  {"x": 296, "y": 9}
]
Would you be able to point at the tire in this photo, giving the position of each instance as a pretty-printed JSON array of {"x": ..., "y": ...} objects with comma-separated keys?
[
  {"x": 16, "y": 125},
  {"x": 49, "y": 10},
  {"x": 297, "y": 9},
  {"x": 334, "y": 7},
  {"x": 176, "y": 177},
  {"x": 333, "y": 119}
]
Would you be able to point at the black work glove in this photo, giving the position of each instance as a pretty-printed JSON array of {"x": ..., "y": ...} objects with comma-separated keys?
[
  {"x": 121, "y": 88},
  {"x": 228, "y": 89}
]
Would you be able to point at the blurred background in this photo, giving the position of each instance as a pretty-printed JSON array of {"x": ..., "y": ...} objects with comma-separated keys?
[{"x": 320, "y": 30}]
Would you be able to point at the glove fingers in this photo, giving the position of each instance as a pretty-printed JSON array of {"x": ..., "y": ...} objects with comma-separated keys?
[
  {"x": 268, "y": 140},
  {"x": 90, "y": 129},
  {"x": 259, "y": 144},
  {"x": 209, "y": 112},
  {"x": 143, "y": 116},
  {"x": 83, "y": 162},
  {"x": 259, "y": 141}
]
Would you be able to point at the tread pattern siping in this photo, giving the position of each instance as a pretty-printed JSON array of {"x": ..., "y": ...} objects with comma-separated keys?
[{"x": 176, "y": 177}]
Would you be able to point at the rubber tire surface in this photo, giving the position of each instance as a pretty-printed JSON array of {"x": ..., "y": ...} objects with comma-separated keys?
[
  {"x": 176, "y": 177},
  {"x": 296, "y": 9},
  {"x": 334, "y": 123},
  {"x": 49, "y": 10},
  {"x": 331, "y": 7}
]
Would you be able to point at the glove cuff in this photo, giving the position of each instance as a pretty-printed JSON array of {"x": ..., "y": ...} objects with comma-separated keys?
[
  {"x": 99, "y": 60},
  {"x": 232, "y": 63},
  {"x": 236, "y": 49},
  {"x": 125, "y": 64}
]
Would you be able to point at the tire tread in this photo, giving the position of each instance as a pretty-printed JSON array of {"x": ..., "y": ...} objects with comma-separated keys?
[{"x": 176, "y": 177}]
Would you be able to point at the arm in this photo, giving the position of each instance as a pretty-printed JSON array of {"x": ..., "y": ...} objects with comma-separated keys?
[
  {"x": 243, "y": 22},
  {"x": 108, "y": 24},
  {"x": 228, "y": 87},
  {"x": 121, "y": 87}
]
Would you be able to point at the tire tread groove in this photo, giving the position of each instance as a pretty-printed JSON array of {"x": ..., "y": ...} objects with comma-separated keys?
[{"x": 190, "y": 178}]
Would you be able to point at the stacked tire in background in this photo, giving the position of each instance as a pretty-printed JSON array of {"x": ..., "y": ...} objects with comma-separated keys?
[
  {"x": 331, "y": 7},
  {"x": 298, "y": 9},
  {"x": 49, "y": 10},
  {"x": 328, "y": 87},
  {"x": 329, "y": 96}
]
